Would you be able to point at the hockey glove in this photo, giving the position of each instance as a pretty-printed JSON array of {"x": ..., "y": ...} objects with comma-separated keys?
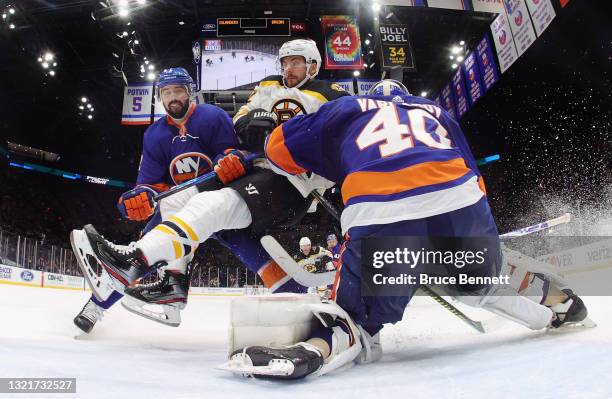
[
  {"x": 253, "y": 128},
  {"x": 231, "y": 166},
  {"x": 137, "y": 204}
]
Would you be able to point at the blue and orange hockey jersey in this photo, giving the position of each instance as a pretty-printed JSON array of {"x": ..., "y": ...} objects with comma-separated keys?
[{"x": 396, "y": 158}]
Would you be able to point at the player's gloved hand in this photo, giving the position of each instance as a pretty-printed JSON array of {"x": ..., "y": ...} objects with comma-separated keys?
[
  {"x": 137, "y": 204},
  {"x": 231, "y": 165},
  {"x": 253, "y": 128}
]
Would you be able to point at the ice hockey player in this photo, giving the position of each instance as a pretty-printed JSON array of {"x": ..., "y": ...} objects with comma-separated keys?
[
  {"x": 302, "y": 93},
  {"x": 176, "y": 148},
  {"x": 406, "y": 169},
  {"x": 334, "y": 246},
  {"x": 314, "y": 260}
]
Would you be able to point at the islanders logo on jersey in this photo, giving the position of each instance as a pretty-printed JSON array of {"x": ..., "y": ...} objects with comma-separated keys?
[
  {"x": 189, "y": 165},
  {"x": 286, "y": 109}
]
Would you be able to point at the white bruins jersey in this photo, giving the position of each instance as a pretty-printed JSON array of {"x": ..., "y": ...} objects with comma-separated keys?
[
  {"x": 272, "y": 96},
  {"x": 313, "y": 262}
]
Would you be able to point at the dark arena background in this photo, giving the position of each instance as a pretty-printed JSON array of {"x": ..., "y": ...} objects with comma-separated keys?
[{"x": 541, "y": 130}]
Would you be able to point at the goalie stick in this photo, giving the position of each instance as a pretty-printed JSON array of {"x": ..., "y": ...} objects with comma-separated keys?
[{"x": 565, "y": 218}]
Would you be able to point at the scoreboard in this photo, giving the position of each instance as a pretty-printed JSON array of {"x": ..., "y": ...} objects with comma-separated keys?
[{"x": 253, "y": 27}]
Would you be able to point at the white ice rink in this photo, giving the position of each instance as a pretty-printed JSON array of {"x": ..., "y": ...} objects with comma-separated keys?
[{"x": 429, "y": 354}]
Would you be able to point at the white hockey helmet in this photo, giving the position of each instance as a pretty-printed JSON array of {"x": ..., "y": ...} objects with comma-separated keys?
[
  {"x": 306, "y": 48},
  {"x": 304, "y": 241}
]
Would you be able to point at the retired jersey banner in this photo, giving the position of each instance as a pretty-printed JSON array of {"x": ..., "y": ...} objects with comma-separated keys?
[
  {"x": 486, "y": 62},
  {"x": 448, "y": 101},
  {"x": 492, "y": 6},
  {"x": 504, "y": 43},
  {"x": 520, "y": 24},
  {"x": 137, "y": 104},
  {"x": 342, "y": 42},
  {"x": 345, "y": 84},
  {"x": 363, "y": 85},
  {"x": 542, "y": 14},
  {"x": 396, "y": 50},
  {"x": 473, "y": 77},
  {"x": 461, "y": 96}
]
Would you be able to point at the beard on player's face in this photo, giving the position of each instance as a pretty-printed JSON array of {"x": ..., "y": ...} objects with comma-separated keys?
[{"x": 177, "y": 109}]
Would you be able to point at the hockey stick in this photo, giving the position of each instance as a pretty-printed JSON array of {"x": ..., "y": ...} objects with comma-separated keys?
[
  {"x": 198, "y": 180},
  {"x": 290, "y": 266},
  {"x": 565, "y": 218}
]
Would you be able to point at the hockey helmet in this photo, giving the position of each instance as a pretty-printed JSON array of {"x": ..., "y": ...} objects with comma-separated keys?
[
  {"x": 303, "y": 47},
  {"x": 388, "y": 87},
  {"x": 174, "y": 76},
  {"x": 304, "y": 241}
]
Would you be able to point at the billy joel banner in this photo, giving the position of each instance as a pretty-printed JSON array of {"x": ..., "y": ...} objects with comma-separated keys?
[
  {"x": 396, "y": 49},
  {"x": 137, "y": 104},
  {"x": 342, "y": 42}
]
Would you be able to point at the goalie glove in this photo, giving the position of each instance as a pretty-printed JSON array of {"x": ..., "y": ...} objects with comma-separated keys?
[
  {"x": 137, "y": 204},
  {"x": 253, "y": 128}
]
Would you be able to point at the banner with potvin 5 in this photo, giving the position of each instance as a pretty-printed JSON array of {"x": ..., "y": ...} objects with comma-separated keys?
[{"x": 342, "y": 42}]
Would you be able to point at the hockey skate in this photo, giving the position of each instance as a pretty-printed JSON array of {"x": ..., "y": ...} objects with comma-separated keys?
[
  {"x": 169, "y": 293},
  {"x": 571, "y": 313},
  {"x": 88, "y": 316},
  {"x": 289, "y": 363},
  {"x": 123, "y": 263}
]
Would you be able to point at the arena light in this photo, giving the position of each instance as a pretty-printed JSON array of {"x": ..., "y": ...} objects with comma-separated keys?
[
  {"x": 3, "y": 16},
  {"x": 454, "y": 66},
  {"x": 424, "y": 94},
  {"x": 460, "y": 58},
  {"x": 151, "y": 76},
  {"x": 48, "y": 56},
  {"x": 456, "y": 50},
  {"x": 367, "y": 41},
  {"x": 356, "y": 73},
  {"x": 90, "y": 117},
  {"x": 11, "y": 11},
  {"x": 151, "y": 67},
  {"x": 375, "y": 7},
  {"x": 124, "y": 12},
  {"x": 83, "y": 99},
  {"x": 142, "y": 2},
  {"x": 12, "y": 26},
  {"x": 52, "y": 73},
  {"x": 181, "y": 23},
  {"x": 462, "y": 43},
  {"x": 45, "y": 64}
]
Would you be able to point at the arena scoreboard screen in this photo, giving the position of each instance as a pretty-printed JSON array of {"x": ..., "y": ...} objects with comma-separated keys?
[{"x": 253, "y": 27}]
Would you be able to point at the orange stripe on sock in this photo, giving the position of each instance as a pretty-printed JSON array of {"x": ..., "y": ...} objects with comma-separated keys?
[{"x": 271, "y": 273}]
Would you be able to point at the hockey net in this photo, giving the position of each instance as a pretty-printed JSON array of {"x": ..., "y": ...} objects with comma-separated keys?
[{"x": 252, "y": 290}]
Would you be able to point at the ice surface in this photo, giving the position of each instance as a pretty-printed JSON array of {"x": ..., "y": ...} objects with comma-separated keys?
[
  {"x": 429, "y": 354},
  {"x": 233, "y": 72}
]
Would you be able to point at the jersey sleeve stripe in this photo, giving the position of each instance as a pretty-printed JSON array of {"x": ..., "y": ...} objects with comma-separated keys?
[
  {"x": 481, "y": 184},
  {"x": 415, "y": 176},
  {"x": 278, "y": 153}
]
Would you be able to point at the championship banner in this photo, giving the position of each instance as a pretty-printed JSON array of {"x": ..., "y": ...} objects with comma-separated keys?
[
  {"x": 448, "y": 101},
  {"x": 451, "y": 4},
  {"x": 396, "y": 50},
  {"x": 492, "y": 6},
  {"x": 363, "y": 85},
  {"x": 461, "y": 99},
  {"x": 520, "y": 24},
  {"x": 345, "y": 84},
  {"x": 342, "y": 42},
  {"x": 473, "y": 77},
  {"x": 504, "y": 44},
  {"x": 486, "y": 62},
  {"x": 137, "y": 104},
  {"x": 542, "y": 14}
]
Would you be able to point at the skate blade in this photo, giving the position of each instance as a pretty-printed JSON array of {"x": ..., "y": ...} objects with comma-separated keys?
[
  {"x": 168, "y": 316},
  {"x": 242, "y": 365},
  {"x": 585, "y": 324},
  {"x": 84, "y": 252}
]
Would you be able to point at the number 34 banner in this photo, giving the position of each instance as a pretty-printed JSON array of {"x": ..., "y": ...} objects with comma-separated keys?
[
  {"x": 137, "y": 104},
  {"x": 396, "y": 48},
  {"x": 342, "y": 42}
]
